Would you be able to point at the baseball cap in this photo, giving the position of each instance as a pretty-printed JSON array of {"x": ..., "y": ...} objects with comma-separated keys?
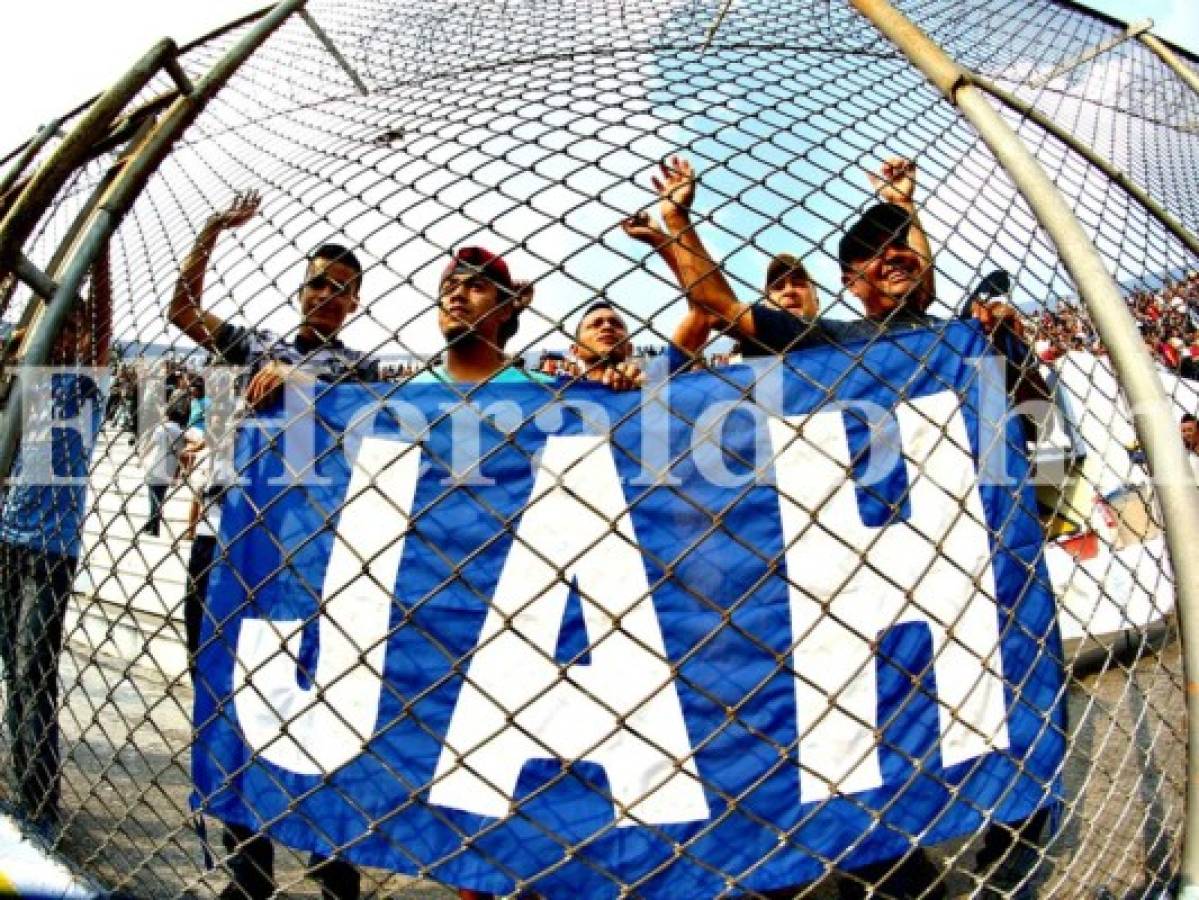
[
  {"x": 881, "y": 225},
  {"x": 784, "y": 264},
  {"x": 476, "y": 261}
]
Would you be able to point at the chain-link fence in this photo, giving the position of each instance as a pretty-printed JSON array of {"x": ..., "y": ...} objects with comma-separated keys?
[{"x": 594, "y": 449}]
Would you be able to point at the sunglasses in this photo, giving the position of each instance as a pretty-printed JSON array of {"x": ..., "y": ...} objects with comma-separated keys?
[{"x": 325, "y": 283}]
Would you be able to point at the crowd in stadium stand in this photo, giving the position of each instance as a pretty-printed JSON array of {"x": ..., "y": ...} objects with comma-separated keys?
[
  {"x": 886, "y": 264},
  {"x": 1168, "y": 319}
]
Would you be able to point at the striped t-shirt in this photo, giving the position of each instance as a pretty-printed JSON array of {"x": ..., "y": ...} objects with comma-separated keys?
[{"x": 329, "y": 360}]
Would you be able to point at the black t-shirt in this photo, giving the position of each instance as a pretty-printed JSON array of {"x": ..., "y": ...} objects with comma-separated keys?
[{"x": 778, "y": 331}]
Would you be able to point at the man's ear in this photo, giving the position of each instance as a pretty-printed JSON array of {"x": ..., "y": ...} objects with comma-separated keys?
[{"x": 504, "y": 308}]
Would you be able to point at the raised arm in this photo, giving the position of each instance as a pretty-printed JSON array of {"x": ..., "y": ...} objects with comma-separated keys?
[
  {"x": 896, "y": 183},
  {"x": 708, "y": 291},
  {"x": 692, "y": 332},
  {"x": 186, "y": 312}
]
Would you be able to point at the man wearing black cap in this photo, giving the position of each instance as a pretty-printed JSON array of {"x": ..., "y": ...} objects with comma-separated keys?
[
  {"x": 885, "y": 259},
  {"x": 886, "y": 262}
]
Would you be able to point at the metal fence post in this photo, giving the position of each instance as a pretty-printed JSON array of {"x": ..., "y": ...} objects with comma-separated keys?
[
  {"x": 120, "y": 196},
  {"x": 1170, "y": 58},
  {"x": 1156, "y": 428}
]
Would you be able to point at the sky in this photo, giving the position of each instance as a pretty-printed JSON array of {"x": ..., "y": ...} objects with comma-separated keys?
[
  {"x": 34, "y": 92},
  {"x": 1175, "y": 20},
  {"x": 100, "y": 42}
]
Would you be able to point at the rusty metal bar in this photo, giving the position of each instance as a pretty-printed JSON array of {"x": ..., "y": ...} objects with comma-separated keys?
[
  {"x": 328, "y": 44},
  {"x": 31, "y": 150},
  {"x": 715, "y": 26},
  {"x": 41, "y": 283},
  {"x": 179, "y": 76},
  {"x": 24, "y": 214}
]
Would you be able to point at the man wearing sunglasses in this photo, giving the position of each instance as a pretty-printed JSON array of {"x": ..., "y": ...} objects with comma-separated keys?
[{"x": 327, "y": 299}]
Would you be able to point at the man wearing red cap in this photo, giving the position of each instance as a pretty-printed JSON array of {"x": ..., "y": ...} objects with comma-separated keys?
[{"x": 478, "y": 311}]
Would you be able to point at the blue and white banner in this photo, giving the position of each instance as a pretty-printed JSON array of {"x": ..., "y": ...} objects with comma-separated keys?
[{"x": 592, "y": 639}]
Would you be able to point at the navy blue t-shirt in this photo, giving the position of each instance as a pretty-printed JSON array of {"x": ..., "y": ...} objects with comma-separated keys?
[{"x": 778, "y": 331}]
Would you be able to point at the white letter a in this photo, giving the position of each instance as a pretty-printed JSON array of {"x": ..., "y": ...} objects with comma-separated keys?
[{"x": 622, "y": 711}]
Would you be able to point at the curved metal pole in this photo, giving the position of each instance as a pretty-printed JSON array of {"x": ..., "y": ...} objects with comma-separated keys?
[
  {"x": 117, "y": 200},
  {"x": 28, "y": 208},
  {"x": 1170, "y": 58},
  {"x": 1152, "y": 414},
  {"x": 1130, "y": 187},
  {"x": 31, "y": 149}
]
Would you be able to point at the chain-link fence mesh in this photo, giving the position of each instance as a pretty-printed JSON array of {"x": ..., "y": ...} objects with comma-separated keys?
[{"x": 627, "y": 599}]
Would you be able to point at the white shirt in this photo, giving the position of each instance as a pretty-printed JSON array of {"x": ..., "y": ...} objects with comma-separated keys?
[
  {"x": 161, "y": 456},
  {"x": 214, "y": 473}
]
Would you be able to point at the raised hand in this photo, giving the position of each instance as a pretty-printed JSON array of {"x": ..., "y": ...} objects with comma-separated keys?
[
  {"x": 641, "y": 227},
  {"x": 522, "y": 295},
  {"x": 243, "y": 208},
  {"x": 625, "y": 376},
  {"x": 675, "y": 187},
  {"x": 268, "y": 382},
  {"x": 895, "y": 181},
  {"x": 995, "y": 313}
]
